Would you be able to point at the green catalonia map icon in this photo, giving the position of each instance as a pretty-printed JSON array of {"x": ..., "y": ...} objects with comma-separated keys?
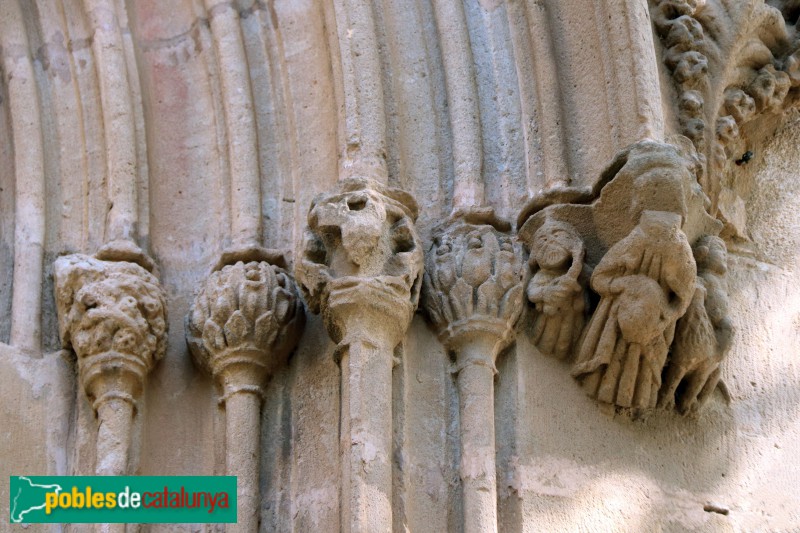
[{"x": 28, "y": 498}]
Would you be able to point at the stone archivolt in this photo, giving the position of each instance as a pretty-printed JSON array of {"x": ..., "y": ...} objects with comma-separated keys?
[{"x": 754, "y": 55}]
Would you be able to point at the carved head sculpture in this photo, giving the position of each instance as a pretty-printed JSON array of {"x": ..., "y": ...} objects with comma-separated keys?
[
  {"x": 556, "y": 245},
  {"x": 246, "y": 314},
  {"x": 113, "y": 314},
  {"x": 473, "y": 277},
  {"x": 671, "y": 9},
  {"x": 361, "y": 240}
]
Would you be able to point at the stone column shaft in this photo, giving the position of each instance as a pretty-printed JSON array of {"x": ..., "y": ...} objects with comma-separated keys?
[
  {"x": 476, "y": 416},
  {"x": 361, "y": 269},
  {"x": 241, "y": 328},
  {"x": 366, "y": 437},
  {"x": 115, "y": 421},
  {"x": 473, "y": 296},
  {"x": 243, "y": 445}
]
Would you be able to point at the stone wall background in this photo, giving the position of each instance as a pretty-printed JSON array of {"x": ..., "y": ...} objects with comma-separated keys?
[{"x": 563, "y": 464}]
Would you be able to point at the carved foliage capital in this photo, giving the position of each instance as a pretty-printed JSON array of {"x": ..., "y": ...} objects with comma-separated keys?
[
  {"x": 113, "y": 314},
  {"x": 473, "y": 280},
  {"x": 246, "y": 319}
]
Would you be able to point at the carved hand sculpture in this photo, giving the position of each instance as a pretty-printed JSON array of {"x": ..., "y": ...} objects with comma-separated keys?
[{"x": 645, "y": 283}]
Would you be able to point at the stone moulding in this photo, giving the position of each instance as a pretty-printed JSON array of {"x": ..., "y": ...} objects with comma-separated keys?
[
  {"x": 243, "y": 324},
  {"x": 732, "y": 65},
  {"x": 113, "y": 315},
  {"x": 361, "y": 268},
  {"x": 472, "y": 294},
  {"x": 634, "y": 245}
]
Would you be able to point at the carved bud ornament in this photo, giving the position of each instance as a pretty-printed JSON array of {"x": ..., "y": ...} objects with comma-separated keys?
[{"x": 243, "y": 323}]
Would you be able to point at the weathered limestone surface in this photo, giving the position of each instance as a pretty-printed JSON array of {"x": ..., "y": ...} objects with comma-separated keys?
[
  {"x": 622, "y": 358},
  {"x": 361, "y": 269}
]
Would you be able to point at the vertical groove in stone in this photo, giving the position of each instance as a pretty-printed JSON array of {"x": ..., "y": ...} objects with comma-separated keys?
[
  {"x": 401, "y": 463},
  {"x": 29, "y": 231},
  {"x": 548, "y": 95},
  {"x": 142, "y": 171},
  {"x": 498, "y": 90},
  {"x": 277, "y": 135},
  {"x": 91, "y": 183},
  {"x": 240, "y": 123},
  {"x": 364, "y": 150},
  {"x": 633, "y": 54},
  {"x": 462, "y": 102},
  {"x": 519, "y": 31},
  {"x": 118, "y": 120},
  {"x": 614, "y": 105},
  {"x": 66, "y": 188}
]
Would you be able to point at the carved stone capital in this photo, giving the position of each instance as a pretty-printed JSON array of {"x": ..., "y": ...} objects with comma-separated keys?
[
  {"x": 361, "y": 262},
  {"x": 113, "y": 314},
  {"x": 243, "y": 324},
  {"x": 473, "y": 282}
]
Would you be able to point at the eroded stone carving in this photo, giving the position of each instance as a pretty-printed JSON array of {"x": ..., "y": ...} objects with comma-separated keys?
[
  {"x": 361, "y": 268},
  {"x": 473, "y": 294},
  {"x": 703, "y": 335},
  {"x": 557, "y": 288},
  {"x": 113, "y": 314},
  {"x": 634, "y": 238},
  {"x": 684, "y": 40},
  {"x": 243, "y": 324},
  {"x": 473, "y": 280},
  {"x": 756, "y": 52},
  {"x": 241, "y": 327},
  {"x": 645, "y": 283},
  {"x": 361, "y": 247}
]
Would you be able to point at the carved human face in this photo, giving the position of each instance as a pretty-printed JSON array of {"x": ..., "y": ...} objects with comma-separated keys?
[{"x": 552, "y": 248}]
